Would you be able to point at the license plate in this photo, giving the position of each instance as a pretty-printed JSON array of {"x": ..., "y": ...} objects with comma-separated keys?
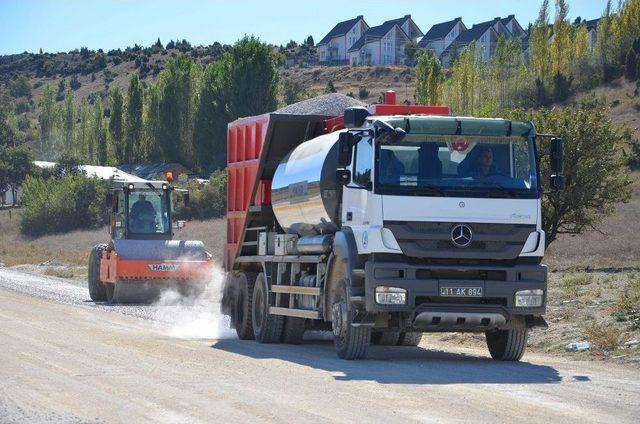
[{"x": 461, "y": 291}]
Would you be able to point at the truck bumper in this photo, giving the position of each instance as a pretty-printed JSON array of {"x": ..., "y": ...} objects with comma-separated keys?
[{"x": 427, "y": 310}]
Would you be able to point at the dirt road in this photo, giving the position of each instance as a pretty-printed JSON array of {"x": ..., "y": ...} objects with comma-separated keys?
[{"x": 65, "y": 359}]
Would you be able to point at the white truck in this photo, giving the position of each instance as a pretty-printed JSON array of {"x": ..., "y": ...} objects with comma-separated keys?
[{"x": 407, "y": 220}]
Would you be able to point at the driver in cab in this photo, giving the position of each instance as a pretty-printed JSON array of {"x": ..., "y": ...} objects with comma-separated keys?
[
  {"x": 143, "y": 215},
  {"x": 484, "y": 166}
]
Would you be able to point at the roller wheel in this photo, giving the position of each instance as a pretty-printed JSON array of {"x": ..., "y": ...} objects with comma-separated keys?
[
  {"x": 97, "y": 291},
  {"x": 293, "y": 330},
  {"x": 241, "y": 304},
  {"x": 110, "y": 290},
  {"x": 267, "y": 328},
  {"x": 385, "y": 338},
  {"x": 350, "y": 342},
  {"x": 507, "y": 345},
  {"x": 409, "y": 339}
]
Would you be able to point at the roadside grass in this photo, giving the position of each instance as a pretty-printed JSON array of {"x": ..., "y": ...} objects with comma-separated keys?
[{"x": 603, "y": 337}]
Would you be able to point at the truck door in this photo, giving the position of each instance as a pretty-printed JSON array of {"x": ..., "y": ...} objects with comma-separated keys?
[{"x": 360, "y": 206}]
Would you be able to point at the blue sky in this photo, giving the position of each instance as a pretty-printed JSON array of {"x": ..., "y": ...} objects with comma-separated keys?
[{"x": 63, "y": 25}]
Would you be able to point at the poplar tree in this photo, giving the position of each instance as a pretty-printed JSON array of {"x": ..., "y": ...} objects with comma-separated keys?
[
  {"x": 68, "y": 122},
  {"x": 47, "y": 120},
  {"x": 115, "y": 125},
  {"x": 560, "y": 48},
  {"x": 133, "y": 123},
  {"x": 539, "y": 44},
  {"x": 98, "y": 143},
  {"x": 82, "y": 131}
]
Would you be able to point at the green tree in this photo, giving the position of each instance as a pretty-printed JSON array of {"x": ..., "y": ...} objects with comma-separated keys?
[
  {"x": 47, "y": 119},
  {"x": 597, "y": 178},
  {"x": 115, "y": 125},
  {"x": 15, "y": 161},
  {"x": 539, "y": 57},
  {"x": 177, "y": 86},
  {"x": 251, "y": 78},
  {"x": 292, "y": 90},
  {"x": 98, "y": 150},
  {"x": 560, "y": 49},
  {"x": 133, "y": 123},
  {"x": 82, "y": 131},
  {"x": 209, "y": 132},
  {"x": 429, "y": 79},
  {"x": 68, "y": 121}
]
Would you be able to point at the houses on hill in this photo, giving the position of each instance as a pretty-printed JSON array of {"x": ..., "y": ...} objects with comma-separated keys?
[{"x": 354, "y": 42}]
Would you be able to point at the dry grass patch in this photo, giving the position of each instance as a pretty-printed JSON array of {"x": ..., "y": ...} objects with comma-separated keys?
[{"x": 603, "y": 337}]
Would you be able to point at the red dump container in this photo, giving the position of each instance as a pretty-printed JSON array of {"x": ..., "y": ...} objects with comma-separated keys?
[{"x": 255, "y": 147}]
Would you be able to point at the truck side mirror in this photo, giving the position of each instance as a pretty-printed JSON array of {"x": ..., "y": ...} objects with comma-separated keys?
[
  {"x": 186, "y": 199},
  {"x": 556, "y": 157},
  {"x": 355, "y": 117},
  {"x": 343, "y": 176},
  {"x": 345, "y": 148},
  {"x": 557, "y": 182},
  {"x": 556, "y": 153}
]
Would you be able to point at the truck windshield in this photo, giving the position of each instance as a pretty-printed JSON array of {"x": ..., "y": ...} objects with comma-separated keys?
[
  {"x": 457, "y": 166},
  {"x": 148, "y": 212}
]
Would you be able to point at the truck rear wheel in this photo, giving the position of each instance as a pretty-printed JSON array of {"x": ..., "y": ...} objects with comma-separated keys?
[
  {"x": 97, "y": 291},
  {"x": 350, "y": 342},
  {"x": 385, "y": 338},
  {"x": 409, "y": 338},
  {"x": 507, "y": 345},
  {"x": 267, "y": 328},
  {"x": 241, "y": 305},
  {"x": 293, "y": 331}
]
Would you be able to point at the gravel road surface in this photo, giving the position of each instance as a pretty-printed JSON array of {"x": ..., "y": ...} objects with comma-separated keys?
[{"x": 66, "y": 359}]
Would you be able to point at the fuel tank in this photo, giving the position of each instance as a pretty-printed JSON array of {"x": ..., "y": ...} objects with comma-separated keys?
[{"x": 305, "y": 193}]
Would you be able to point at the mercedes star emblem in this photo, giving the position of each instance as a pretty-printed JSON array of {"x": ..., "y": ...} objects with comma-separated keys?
[{"x": 461, "y": 235}]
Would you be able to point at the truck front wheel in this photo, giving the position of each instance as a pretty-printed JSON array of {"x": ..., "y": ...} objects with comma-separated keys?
[
  {"x": 266, "y": 327},
  {"x": 350, "y": 342},
  {"x": 507, "y": 345}
]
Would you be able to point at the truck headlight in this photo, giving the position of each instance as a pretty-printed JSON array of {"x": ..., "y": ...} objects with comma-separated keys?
[
  {"x": 391, "y": 295},
  {"x": 529, "y": 298}
]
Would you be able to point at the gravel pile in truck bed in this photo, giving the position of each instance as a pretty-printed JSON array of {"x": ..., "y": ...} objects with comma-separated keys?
[{"x": 332, "y": 104}]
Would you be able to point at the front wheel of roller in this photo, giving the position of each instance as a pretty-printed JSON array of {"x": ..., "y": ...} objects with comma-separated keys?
[
  {"x": 110, "y": 290},
  {"x": 97, "y": 291}
]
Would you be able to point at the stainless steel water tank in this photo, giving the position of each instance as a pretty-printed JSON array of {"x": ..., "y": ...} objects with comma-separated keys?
[{"x": 305, "y": 193}]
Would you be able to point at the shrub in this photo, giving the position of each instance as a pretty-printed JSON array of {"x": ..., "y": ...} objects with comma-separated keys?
[
  {"x": 206, "y": 201},
  {"x": 363, "y": 93},
  {"x": 74, "y": 83},
  {"x": 63, "y": 203}
]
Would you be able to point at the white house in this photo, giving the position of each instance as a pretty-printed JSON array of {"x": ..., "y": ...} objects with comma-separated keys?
[
  {"x": 385, "y": 44},
  {"x": 486, "y": 35},
  {"x": 514, "y": 27},
  {"x": 441, "y": 35},
  {"x": 332, "y": 49}
]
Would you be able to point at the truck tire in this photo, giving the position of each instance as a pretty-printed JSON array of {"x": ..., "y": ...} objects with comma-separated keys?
[
  {"x": 409, "y": 338},
  {"x": 385, "y": 338},
  {"x": 507, "y": 345},
  {"x": 293, "y": 331},
  {"x": 350, "y": 342},
  {"x": 97, "y": 291},
  {"x": 241, "y": 308},
  {"x": 267, "y": 328}
]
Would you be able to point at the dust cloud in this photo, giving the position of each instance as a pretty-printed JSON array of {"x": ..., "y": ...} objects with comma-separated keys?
[{"x": 195, "y": 316}]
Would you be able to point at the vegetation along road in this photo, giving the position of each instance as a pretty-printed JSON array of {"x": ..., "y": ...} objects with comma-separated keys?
[{"x": 67, "y": 359}]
